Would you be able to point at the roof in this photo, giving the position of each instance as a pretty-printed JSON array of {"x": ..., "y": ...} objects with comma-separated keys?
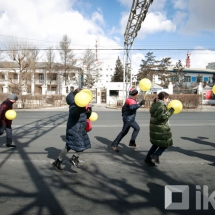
[
  {"x": 195, "y": 70},
  {"x": 39, "y": 65}
]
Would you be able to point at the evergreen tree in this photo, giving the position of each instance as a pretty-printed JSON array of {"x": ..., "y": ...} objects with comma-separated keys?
[
  {"x": 148, "y": 67},
  {"x": 163, "y": 74},
  {"x": 178, "y": 76},
  {"x": 118, "y": 74}
]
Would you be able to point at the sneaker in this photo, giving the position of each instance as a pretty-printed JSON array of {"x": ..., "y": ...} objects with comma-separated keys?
[
  {"x": 74, "y": 161},
  {"x": 114, "y": 148},
  {"x": 149, "y": 162},
  {"x": 132, "y": 144},
  {"x": 155, "y": 158},
  {"x": 10, "y": 145}
]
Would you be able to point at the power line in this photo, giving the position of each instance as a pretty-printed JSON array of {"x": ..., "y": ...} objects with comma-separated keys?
[{"x": 111, "y": 49}]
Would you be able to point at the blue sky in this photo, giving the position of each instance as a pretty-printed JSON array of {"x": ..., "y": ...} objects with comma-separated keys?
[{"x": 169, "y": 24}]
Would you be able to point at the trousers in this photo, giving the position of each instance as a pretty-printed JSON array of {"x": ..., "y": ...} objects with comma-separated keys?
[
  {"x": 8, "y": 130},
  {"x": 125, "y": 130},
  {"x": 155, "y": 150}
]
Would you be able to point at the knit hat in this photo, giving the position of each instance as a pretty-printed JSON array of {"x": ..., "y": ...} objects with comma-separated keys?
[
  {"x": 133, "y": 92},
  {"x": 13, "y": 96}
]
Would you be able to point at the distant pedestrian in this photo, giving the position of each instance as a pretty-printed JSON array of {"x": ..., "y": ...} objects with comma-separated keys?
[
  {"x": 128, "y": 115},
  {"x": 76, "y": 136},
  {"x": 160, "y": 131},
  {"x": 5, "y": 124}
]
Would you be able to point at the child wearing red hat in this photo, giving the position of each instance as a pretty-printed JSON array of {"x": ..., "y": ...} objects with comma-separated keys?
[{"x": 129, "y": 113}]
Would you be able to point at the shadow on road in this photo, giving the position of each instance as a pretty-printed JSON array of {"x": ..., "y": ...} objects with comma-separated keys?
[{"x": 94, "y": 187}]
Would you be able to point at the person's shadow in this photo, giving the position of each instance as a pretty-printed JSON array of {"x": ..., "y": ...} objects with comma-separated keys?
[
  {"x": 199, "y": 140},
  {"x": 53, "y": 153}
]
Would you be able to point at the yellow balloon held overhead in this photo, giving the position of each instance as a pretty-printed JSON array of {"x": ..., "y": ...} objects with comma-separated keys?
[
  {"x": 88, "y": 92},
  {"x": 145, "y": 84},
  {"x": 10, "y": 114},
  {"x": 94, "y": 116},
  {"x": 82, "y": 99},
  {"x": 177, "y": 105},
  {"x": 213, "y": 89}
]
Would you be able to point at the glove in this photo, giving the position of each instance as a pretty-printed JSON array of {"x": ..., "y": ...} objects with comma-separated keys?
[
  {"x": 142, "y": 102},
  {"x": 172, "y": 109}
]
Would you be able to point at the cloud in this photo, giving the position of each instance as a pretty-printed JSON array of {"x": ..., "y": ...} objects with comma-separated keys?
[
  {"x": 41, "y": 21},
  {"x": 136, "y": 61},
  {"x": 156, "y": 22},
  {"x": 153, "y": 23},
  {"x": 179, "y": 4},
  {"x": 200, "y": 16},
  {"x": 98, "y": 17},
  {"x": 200, "y": 59},
  {"x": 157, "y": 5},
  {"x": 127, "y": 3}
]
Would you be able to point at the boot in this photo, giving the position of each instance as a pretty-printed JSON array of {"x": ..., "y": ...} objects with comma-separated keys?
[
  {"x": 149, "y": 162},
  {"x": 57, "y": 165},
  {"x": 10, "y": 145},
  {"x": 74, "y": 161},
  {"x": 132, "y": 143},
  {"x": 155, "y": 158}
]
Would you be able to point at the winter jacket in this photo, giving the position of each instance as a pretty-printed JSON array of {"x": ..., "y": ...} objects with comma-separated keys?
[
  {"x": 4, "y": 107},
  {"x": 76, "y": 136},
  {"x": 160, "y": 131},
  {"x": 129, "y": 109}
]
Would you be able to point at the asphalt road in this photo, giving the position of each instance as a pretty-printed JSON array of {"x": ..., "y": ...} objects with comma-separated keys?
[{"x": 108, "y": 182}]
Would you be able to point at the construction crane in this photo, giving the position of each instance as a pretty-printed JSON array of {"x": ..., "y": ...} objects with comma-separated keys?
[{"x": 137, "y": 15}]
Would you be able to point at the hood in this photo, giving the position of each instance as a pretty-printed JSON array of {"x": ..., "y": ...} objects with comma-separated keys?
[
  {"x": 70, "y": 98},
  {"x": 156, "y": 105}
]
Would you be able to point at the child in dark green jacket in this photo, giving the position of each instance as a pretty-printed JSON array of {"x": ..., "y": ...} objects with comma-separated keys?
[{"x": 160, "y": 131}]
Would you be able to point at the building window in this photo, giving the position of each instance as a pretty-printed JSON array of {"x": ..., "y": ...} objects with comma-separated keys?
[
  {"x": 206, "y": 79},
  {"x": 2, "y": 76},
  {"x": 187, "y": 78},
  {"x": 41, "y": 77},
  {"x": 53, "y": 77},
  {"x": 193, "y": 79},
  {"x": 53, "y": 88},
  {"x": 15, "y": 76},
  {"x": 114, "y": 92}
]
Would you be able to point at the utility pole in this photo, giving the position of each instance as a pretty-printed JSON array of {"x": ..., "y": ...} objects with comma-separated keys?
[{"x": 137, "y": 15}]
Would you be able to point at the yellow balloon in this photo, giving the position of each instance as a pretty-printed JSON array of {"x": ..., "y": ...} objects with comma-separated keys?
[
  {"x": 10, "y": 114},
  {"x": 145, "y": 84},
  {"x": 82, "y": 99},
  {"x": 88, "y": 92},
  {"x": 213, "y": 89},
  {"x": 177, "y": 105},
  {"x": 94, "y": 116}
]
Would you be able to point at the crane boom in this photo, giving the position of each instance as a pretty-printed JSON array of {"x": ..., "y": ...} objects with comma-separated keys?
[{"x": 137, "y": 15}]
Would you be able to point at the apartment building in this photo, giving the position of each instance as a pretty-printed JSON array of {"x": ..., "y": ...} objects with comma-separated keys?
[{"x": 39, "y": 80}]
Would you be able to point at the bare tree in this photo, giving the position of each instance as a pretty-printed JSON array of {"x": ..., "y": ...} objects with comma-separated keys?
[
  {"x": 33, "y": 58},
  {"x": 19, "y": 53},
  {"x": 91, "y": 74},
  {"x": 67, "y": 59},
  {"x": 50, "y": 65}
]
